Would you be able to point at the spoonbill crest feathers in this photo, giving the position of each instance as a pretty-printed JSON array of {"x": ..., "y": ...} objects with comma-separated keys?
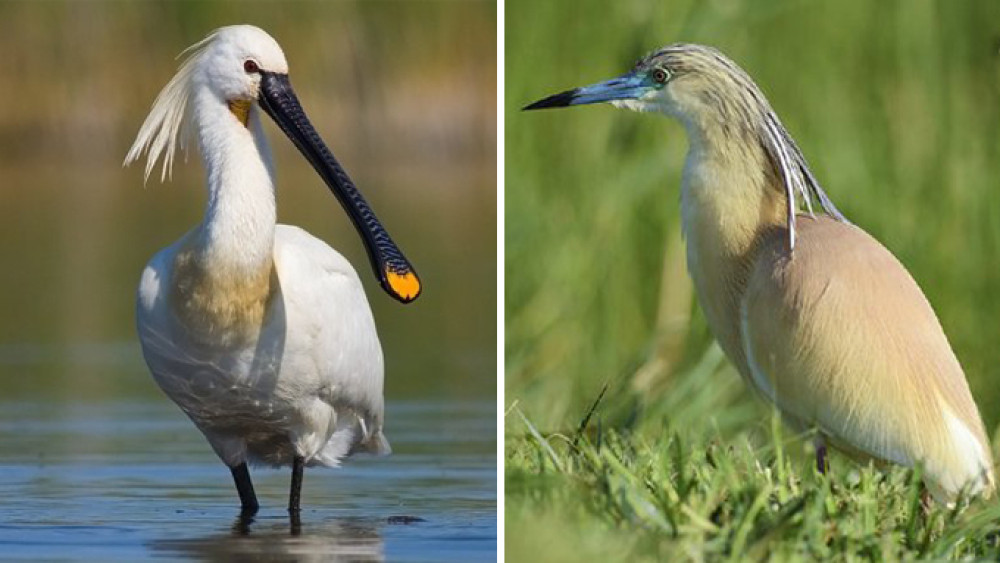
[{"x": 216, "y": 63}]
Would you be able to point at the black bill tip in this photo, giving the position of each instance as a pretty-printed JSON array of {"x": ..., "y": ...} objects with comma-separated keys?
[{"x": 562, "y": 99}]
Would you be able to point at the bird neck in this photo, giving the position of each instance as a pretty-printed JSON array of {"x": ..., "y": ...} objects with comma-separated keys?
[
  {"x": 223, "y": 277},
  {"x": 729, "y": 199},
  {"x": 236, "y": 236},
  {"x": 731, "y": 193}
]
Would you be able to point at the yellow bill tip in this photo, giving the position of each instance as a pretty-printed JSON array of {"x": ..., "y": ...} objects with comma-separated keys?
[{"x": 405, "y": 286}]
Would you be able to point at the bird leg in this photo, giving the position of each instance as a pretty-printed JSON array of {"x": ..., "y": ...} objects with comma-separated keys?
[
  {"x": 925, "y": 501},
  {"x": 821, "y": 464},
  {"x": 248, "y": 500},
  {"x": 298, "y": 464}
]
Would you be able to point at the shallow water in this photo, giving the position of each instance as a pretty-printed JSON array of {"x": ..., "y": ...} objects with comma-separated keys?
[{"x": 130, "y": 480}]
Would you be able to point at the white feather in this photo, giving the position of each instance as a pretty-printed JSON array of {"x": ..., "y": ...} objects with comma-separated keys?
[
  {"x": 168, "y": 124},
  {"x": 268, "y": 371}
]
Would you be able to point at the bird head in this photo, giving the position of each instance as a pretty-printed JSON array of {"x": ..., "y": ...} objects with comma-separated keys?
[
  {"x": 235, "y": 61},
  {"x": 706, "y": 91},
  {"x": 686, "y": 81}
]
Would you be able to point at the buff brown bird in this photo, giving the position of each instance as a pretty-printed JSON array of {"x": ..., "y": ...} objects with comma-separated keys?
[{"x": 816, "y": 315}]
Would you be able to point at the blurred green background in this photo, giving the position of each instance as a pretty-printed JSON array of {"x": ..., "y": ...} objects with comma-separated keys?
[
  {"x": 895, "y": 105},
  {"x": 403, "y": 92}
]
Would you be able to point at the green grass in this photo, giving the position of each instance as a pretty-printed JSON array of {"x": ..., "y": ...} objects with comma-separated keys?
[
  {"x": 728, "y": 487},
  {"x": 896, "y": 106}
]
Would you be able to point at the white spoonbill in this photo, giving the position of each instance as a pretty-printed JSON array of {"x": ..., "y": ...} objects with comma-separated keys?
[{"x": 261, "y": 333}]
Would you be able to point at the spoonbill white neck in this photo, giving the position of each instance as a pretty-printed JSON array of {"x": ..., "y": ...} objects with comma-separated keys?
[{"x": 237, "y": 233}]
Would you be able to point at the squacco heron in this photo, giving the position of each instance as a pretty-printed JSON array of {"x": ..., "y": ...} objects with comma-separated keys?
[{"x": 815, "y": 314}]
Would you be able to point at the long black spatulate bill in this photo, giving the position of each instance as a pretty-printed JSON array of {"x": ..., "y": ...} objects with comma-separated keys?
[{"x": 395, "y": 274}]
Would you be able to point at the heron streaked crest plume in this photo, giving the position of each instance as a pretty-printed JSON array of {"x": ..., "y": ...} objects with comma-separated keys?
[{"x": 817, "y": 316}]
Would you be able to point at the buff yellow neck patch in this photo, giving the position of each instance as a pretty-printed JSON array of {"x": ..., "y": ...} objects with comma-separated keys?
[{"x": 241, "y": 109}]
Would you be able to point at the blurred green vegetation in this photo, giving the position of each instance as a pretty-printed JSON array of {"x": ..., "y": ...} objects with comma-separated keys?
[
  {"x": 404, "y": 93},
  {"x": 707, "y": 475},
  {"x": 895, "y": 105},
  {"x": 711, "y": 495}
]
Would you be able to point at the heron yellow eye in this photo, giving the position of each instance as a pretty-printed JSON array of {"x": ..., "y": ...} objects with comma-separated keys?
[
  {"x": 660, "y": 76},
  {"x": 250, "y": 66}
]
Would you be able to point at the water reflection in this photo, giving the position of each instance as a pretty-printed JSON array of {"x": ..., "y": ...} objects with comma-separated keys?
[
  {"x": 127, "y": 480},
  {"x": 340, "y": 539}
]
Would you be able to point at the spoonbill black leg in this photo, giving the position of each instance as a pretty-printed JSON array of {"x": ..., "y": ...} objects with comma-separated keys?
[
  {"x": 298, "y": 465},
  {"x": 248, "y": 499}
]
